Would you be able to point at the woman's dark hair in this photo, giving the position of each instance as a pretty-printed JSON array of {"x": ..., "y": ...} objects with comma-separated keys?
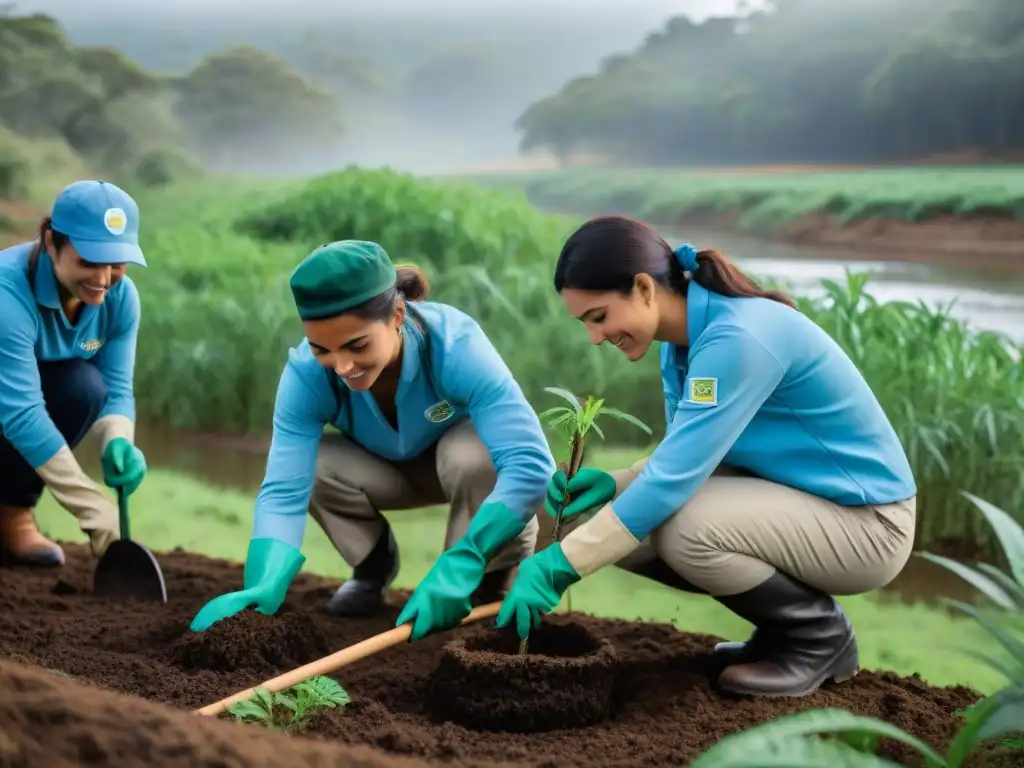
[
  {"x": 411, "y": 285},
  {"x": 59, "y": 238},
  {"x": 608, "y": 252}
]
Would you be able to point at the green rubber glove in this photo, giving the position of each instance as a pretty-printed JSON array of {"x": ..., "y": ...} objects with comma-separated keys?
[
  {"x": 441, "y": 601},
  {"x": 590, "y": 489},
  {"x": 537, "y": 589},
  {"x": 270, "y": 567},
  {"x": 124, "y": 465}
]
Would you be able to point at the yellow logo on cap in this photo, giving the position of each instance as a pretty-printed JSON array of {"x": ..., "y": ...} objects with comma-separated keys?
[{"x": 115, "y": 221}]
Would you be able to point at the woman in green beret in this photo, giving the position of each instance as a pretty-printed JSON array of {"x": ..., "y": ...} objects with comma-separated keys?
[{"x": 427, "y": 413}]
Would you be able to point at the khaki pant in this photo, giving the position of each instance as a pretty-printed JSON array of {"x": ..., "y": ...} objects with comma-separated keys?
[
  {"x": 738, "y": 529},
  {"x": 353, "y": 486}
]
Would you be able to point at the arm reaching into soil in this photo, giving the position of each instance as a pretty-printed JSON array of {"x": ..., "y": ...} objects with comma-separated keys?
[
  {"x": 303, "y": 406},
  {"x": 475, "y": 374},
  {"x": 123, "y": 463},
  {"x": 730, "y": 376},
  {"x": 115, "y": 361},
  {"x": 274, "y": 557}
]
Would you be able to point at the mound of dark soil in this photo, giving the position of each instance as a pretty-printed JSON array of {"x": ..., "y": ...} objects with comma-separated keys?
[
  {"x": 667, "y": 709},
  {"x": 252, "y": 640},
  {"x": 49, "y": 721}
]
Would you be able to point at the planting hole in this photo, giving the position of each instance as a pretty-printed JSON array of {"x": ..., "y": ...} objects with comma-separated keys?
[
  {"x": 566, "y": 641},
  {"x": 567, "y": 679}
]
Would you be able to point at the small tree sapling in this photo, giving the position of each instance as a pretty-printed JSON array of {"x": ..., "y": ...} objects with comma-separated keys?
[{"x": 577, "y": 419}]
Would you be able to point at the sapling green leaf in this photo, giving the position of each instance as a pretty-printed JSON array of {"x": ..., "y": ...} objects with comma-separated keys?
[
  {"x": 577, "y": 419},
  {"x": 290, "y": 710}
]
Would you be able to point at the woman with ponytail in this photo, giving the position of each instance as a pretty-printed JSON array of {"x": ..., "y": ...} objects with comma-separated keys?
[{"x": 779, "y": 481}]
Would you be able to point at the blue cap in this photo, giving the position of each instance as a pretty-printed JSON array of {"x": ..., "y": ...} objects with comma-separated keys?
[{"x": 101, "y": 220}]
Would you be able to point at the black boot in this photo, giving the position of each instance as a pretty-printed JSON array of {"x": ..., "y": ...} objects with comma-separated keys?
[
  {"x": 364, "y": 593},
  {"x": 804, "y": 639},
  {"x": 739, "y": 653}
]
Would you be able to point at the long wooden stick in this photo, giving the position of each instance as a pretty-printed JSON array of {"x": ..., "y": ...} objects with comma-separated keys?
[{"x": 337, "y": 660}]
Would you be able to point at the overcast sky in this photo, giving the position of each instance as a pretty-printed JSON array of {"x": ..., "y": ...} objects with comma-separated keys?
[{"x": 647, "y": 8}]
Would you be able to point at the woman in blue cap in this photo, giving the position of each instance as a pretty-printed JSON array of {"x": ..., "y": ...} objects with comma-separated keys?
[
  {"x": 779, "y": 482},
  {"x": 69, "y": 316},
  {"x": 426, "y": 413}
]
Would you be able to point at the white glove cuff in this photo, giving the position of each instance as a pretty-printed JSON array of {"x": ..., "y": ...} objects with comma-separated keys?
[
  {"x": 110, "y": 427},
  {"x": 74, "y": 490},
  {"x": 600, "y": 541}
]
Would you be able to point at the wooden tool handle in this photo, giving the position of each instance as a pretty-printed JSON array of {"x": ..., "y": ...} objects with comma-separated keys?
[{"x": 337, "y": 660}]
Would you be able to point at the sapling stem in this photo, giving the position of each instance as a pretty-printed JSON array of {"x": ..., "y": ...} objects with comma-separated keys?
[
  {"x": 575, "y": 462},
  {"x": 580, "y": 416}
]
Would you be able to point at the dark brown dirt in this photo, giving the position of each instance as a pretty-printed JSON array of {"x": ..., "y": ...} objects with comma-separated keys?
[
  {"x": 252, "y": 640},
  {"x": 667, "y": 710},
  {"x": 566, "y": 679}
]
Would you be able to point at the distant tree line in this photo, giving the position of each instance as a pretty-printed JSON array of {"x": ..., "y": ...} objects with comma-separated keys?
[
  {"x": 806, "y": 81},
  {"x": 121, "y": 118}
]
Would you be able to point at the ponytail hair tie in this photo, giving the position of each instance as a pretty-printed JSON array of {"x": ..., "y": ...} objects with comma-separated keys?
[{"x": 686, "y": 254}]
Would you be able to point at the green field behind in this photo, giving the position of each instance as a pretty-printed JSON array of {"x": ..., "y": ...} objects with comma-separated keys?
[
  {"x": 218, "y": 320},
  {"x": 770, "y": 199}
]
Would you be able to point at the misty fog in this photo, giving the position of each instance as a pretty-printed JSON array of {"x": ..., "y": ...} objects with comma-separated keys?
[{"x": 526, "y": 49}]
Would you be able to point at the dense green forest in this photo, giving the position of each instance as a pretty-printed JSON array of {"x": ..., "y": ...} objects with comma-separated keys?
[{"x": 808, "y": 81}]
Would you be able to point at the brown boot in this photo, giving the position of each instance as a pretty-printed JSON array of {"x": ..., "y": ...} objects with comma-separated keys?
[
  {"x": 812, "y": 640},
  {"x": 21, "y": 543}
]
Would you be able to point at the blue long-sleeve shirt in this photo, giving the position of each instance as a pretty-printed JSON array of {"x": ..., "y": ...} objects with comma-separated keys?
[
  {"x": 765, "y": 389},
  {"x": 473, "y": 379},
  {"x": 33, "y": 328}
]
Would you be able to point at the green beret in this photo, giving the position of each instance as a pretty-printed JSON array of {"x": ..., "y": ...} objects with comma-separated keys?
[{"x": 338, "y": 276}]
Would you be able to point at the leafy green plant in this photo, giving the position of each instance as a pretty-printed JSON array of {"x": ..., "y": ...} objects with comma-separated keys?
[
  {"x": 290, "y": 710},
  {"x": 578, "y": 418},
  {"x": 795, "y": 740}
]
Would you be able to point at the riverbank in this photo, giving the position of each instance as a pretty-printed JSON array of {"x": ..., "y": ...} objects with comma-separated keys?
[
  {"x": 987, "y": 243},
  {"x": 930, "y": 215}
]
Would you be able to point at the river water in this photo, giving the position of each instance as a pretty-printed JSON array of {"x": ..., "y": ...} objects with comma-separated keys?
[
  {"x": 985, "y": 300},
  {"x": 991, "y": 303}
]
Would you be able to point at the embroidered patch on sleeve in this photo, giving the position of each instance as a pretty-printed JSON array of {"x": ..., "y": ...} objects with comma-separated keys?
[{"x": 703, "y": 391}]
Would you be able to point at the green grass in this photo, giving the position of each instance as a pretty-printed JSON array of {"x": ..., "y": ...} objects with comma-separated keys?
[
  {"x": 172, "y": 510},
  {"x": 218, "y": 319},
  {"x": 770, "y": 200}
]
